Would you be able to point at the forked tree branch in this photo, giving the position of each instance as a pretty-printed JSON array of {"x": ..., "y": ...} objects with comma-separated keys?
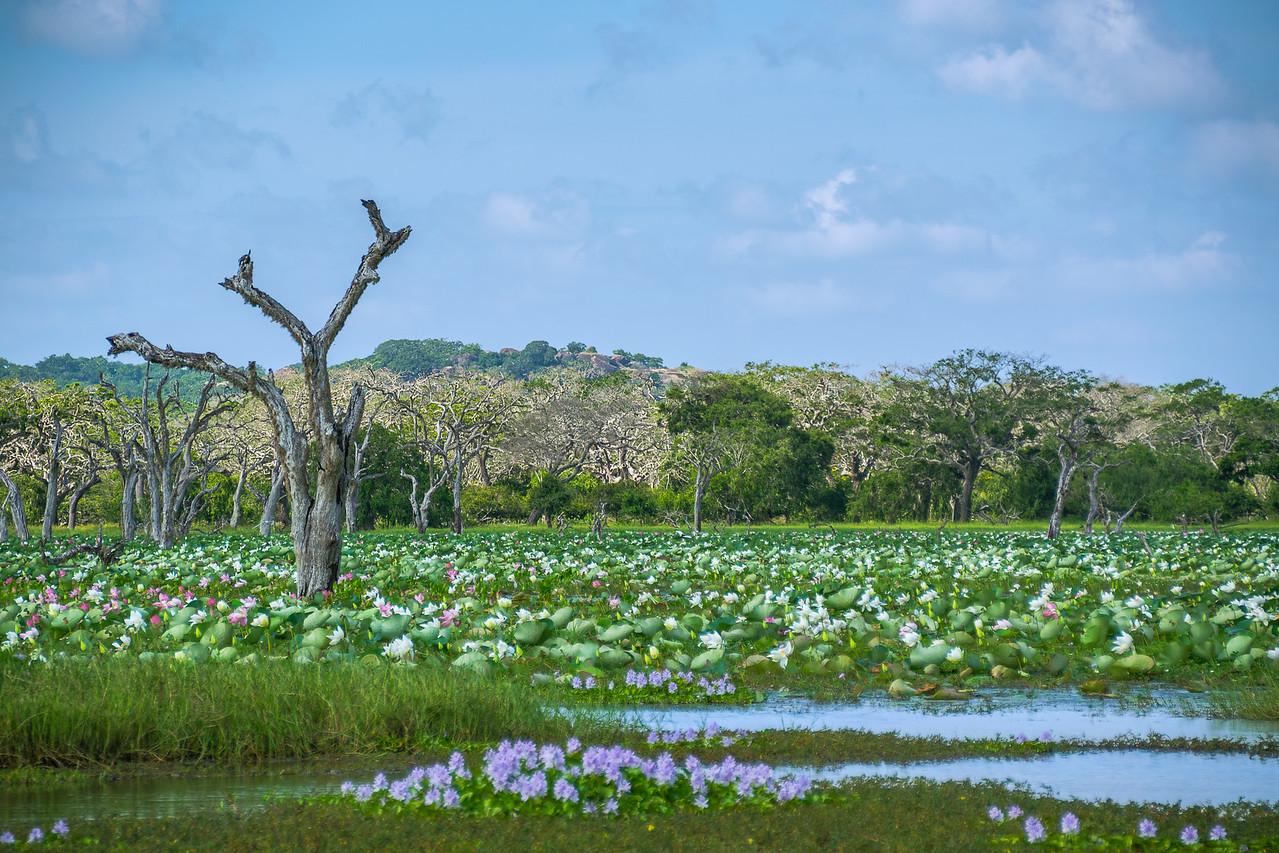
[
  {"x": 242, "y": 283},
  {"x": 384, "y": 244}
]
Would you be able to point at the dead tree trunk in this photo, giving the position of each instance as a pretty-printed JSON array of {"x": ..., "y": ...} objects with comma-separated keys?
[
  {"x": 969, "y": 472},
  {"x": 458, "y": 465},
  {"x": 17, "y": 509},
  {"x": 316, "y": 509},
  {"x": 1059, "y": 501},
  {"x": 79, "y": 493},
  {"x": 53, "y": 475},
  {"x": 237, "y": 498},
  {"x": 356, "y": 477},
  {"x": 272, "y": 501}
]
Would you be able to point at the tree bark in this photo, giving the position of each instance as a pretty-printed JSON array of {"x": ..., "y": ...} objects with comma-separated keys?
[
  {"x": 54, "y": 474},
  {"x": 17, "y": 509},
  {"x": 700, "y": 481},
  {"x": 1094, "y": 497},
  {"x": 237, "y": 497},
  {"x": 128, "y": 521},
  {"x": 74, "y": 502},
  {"x": 1064, "y": 476},
  {"x": 457, "y": 489},
  {"x": 272, "y": 501},
  {"x": 964, "y": 510}
]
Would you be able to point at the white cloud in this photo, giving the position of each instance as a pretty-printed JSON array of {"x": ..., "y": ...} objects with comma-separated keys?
[
  {"x": 1231, "y": 148},
  {"x": 1204, "y": 263},
  {"x": 1098, "y": 53},
  {"x": 996, "y": 71},
  {"x": 95, "y": 27},
  {"x": 557, "y": 214},
  {"x": 829, "y": 227}
]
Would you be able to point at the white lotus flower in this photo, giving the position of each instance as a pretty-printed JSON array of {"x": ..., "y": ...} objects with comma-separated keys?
[
  {"x": 711, "y": 640},
  {"x": 337, "y": 635},
  {"x": 955, "y": 655},
  {"x": 261, "y": 621},
  {"x": 1123, "y": 644},
  {"x": 401, "y": 648},
  {"x": 782, "y": 653}
]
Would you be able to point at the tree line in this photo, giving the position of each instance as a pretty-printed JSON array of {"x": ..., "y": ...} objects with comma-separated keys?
[{"x": 974, "y": 436}]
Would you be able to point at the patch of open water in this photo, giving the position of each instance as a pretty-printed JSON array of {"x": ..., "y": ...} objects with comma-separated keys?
[
  {"x": 1067, "y": 715},
  {"x": 1124, "y": 776}
]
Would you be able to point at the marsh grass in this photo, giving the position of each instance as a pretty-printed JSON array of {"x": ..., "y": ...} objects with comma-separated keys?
[
  {"x": 1258, "y": 701},
  {"x": 85, "y": 713},
  {"x": 871, "y": 814}
]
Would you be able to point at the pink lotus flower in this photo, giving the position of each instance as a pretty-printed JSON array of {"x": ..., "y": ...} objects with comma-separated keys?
[
  {"x": 1050, "y": 610},
  {"x": 448, "y": 618},
  {"x": 155, "y": 619}
]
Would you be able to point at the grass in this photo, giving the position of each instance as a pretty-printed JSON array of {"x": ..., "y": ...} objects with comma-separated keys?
[
  {"x": 873, "y": 814},
  {"x": 1260, "y": 701},
  {"x": 91, "y": 713}
]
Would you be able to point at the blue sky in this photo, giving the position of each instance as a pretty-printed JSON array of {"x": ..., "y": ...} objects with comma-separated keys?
[{"x": 1096, "y": 181}]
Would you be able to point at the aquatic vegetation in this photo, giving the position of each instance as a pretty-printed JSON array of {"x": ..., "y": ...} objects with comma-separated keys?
[
  {"x": 521, "y": 777},
  {"x": 1147, "y": 836},
  {"x": 759, "y": 605}
]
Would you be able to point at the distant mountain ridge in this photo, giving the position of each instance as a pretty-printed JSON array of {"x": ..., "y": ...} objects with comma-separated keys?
[{"x": 408, "y": 358}]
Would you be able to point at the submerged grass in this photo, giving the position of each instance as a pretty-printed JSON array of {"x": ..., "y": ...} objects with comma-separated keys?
[{"x": 84, "y": 713}]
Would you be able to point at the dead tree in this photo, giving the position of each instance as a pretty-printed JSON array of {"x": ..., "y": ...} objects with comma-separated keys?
[
  {"x": 17, "y": 509},
  {"x": 317, "y": 508}
]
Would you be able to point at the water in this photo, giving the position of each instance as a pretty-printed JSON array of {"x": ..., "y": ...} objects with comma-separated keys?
[
  {"x": 155, "y": 797},
  {"x": 995, "y": 714},
  {"x": 1124, "y": 776}
]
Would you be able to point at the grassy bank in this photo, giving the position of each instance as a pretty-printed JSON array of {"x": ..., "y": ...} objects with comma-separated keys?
[
  {"x": 95, "y": 712},
  {"x": 865, "y": 815}
]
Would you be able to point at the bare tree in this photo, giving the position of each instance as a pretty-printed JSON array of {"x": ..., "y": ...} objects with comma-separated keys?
[
  {"x": 317, "y": 508},
  {"x": 168, "y": 430}
]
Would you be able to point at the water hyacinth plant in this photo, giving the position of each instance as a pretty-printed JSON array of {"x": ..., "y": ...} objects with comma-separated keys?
[
  {"x": 1146, "y": 837},
  {"x": 521, "y": 777}
]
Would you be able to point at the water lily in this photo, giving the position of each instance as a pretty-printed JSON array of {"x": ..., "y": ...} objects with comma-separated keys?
[
  {"x": 711, "y": 640},
  {"x": 782, "y": 653},
  {"x": 1122, "y": 644}
]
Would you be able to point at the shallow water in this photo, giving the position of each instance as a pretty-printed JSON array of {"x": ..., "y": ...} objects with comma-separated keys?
[
  {"x": 23, "y": 807},
  {"x": 1125, "y": 776},
  {"x": 992, "y": 714}
]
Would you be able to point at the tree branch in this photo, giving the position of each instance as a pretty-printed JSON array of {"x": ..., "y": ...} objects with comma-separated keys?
[
  {"x": 169, "y": 357},
  {"x": 242, "y": 283},
  {"x": 384, "y": 244}
]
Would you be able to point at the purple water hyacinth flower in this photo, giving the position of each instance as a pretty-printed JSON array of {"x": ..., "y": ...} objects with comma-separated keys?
[
  {"x": 653, "y": 737},
  {"x": 452, "y": 799},
  {"x": 700, "y": 801},
  {"x": 572, "y": 745},
  {"x": 564, "y": 791},
  {"x": 995, "y": 813},
  {"x": 1034, "y": 830},
  {"x": 671, "y": 687},
  {"x": 432, "y": 797},
  {"x": 348, "y": 787},
  {"x": 1217, "y": 833},
  {"x": 7, "y": 838},
  {"x": 1147, "y": 828},
  {"x": 1070, "y": 823},
  {"x": 61, "y": 829},
  {"x": 1046, "y": 737},
  {"x": 35, "y": 836},
  {"x": 610, "y": 806},
  {"x": 363, "y": 793},
  {"x": 1189, "y": 834},
  {"x": 1021, "y": 738},
  {"x": 1014, "y": 812},
  {"x": 588, "y": 807}
]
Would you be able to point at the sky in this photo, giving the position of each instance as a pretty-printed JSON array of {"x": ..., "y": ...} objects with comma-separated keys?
[{"x": 1091, "y": 181}]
